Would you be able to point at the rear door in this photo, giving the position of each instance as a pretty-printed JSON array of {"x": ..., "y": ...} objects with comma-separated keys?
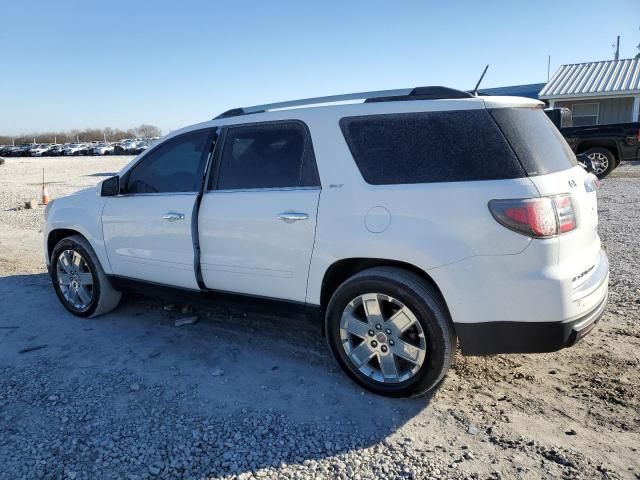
[
  {"x": 148, "y": 227},
  {"x": 257, "y": 219}
]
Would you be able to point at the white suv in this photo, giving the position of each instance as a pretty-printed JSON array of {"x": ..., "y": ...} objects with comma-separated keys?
[{"x": 406, "y": 222}]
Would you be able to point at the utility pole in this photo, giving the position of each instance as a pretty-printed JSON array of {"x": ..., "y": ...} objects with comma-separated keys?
[
  {"x": 548, "y": 67},
  {"x": 617, "y": 48}
]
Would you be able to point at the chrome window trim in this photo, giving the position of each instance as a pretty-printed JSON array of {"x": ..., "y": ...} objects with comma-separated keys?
[
  {"x": 158, "y": 194},
  {"x": 270, "y": 189}
]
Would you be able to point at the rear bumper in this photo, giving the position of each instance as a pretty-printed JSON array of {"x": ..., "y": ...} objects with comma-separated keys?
[
  {"x": 489, "y": 338},
  {"x": 589, "y": 298}
]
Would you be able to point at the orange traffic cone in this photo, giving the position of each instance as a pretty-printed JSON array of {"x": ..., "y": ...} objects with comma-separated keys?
[{"x": 45, "y": 194}]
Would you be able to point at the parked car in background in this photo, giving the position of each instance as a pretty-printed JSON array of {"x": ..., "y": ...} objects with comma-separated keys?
[
  {"x": 73, "y": 148},
  {"x": 119, "y": 148},
  {"x": 139, "y": 147},
  {"x": 87, "y": 149},
  {"x": 99, "y": 148},
  {"x": 131, "y": 147},
  {"x": 108, "y": 149},
  {"x": 54, "y": 151},
  {"x": 39, "y": 150},
  {"x": 5, "y": 150},
  {"x": 482, "y": 229},
  {"x": 24, "y": 150},
  {"x": 127, "y": 147},
  {"x": 12, "y": 151},
  {"x": 606, "y": 145}
]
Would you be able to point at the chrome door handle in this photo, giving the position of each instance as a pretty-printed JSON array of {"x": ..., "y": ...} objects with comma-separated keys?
[
  {"x": 173, "y": 216},
  {"x": 290, "y": 217}
]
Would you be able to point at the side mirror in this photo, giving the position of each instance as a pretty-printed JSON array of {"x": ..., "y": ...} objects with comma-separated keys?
[
  {"x": 585, "y": 162},
  {"x": 110, "y": 187}
]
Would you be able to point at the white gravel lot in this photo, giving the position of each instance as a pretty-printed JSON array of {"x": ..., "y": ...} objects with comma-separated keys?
[{"x": 238, "y": 395}]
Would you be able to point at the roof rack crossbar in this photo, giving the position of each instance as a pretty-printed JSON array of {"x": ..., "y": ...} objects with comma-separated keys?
[{"x": 419, "y": 93}]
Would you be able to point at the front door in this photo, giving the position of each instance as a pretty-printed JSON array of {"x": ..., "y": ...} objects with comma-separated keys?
[
  {"x": 257, "y": 219},
  {"x": 148, "y": 227}
]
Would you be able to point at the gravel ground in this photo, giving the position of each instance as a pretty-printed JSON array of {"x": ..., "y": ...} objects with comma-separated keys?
[
  {"x": 21, "y": 180},
  {"x": 240, "y": 395}
]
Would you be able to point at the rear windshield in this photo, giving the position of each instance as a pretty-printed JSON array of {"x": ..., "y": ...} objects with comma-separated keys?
[
  {"x": 427, "y": 147},
  {"x": 539, "y": 145}
]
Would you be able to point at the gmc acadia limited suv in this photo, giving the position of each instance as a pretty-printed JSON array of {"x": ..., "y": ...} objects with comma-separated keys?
[{"x": 409, "y": 221}]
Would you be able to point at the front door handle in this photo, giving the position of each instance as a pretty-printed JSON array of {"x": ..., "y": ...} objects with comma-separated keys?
[
  {"x": 173, "y": 216},
  {"x": 290, "y": 217}
]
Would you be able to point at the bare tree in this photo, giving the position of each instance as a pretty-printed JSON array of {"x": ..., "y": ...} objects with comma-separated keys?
[
  {"x": 148, "y": 131},
  {"x": 86, "y": 135}
]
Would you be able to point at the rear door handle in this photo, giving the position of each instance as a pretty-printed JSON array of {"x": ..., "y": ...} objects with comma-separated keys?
[
  {"x": 173, "y": 216},
  {"x": 290, "y": 217}
]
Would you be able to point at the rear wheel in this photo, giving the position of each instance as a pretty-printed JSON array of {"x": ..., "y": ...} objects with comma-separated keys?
[
  {"x": 79, "y": 280},
  {"x": 603, "y": 160},
  {"x": 390, "y": 332}
]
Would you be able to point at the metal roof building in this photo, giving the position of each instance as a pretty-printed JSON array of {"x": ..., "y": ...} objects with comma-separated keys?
[
  {"x": 597, "y": 92},
  {"x": 609, "y": 77}
]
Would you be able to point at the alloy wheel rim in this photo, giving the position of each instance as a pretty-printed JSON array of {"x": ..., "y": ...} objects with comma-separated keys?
[
  {"x": 599, "y": 161},
  {"x": 382, "y": 338},
  {"x": 75, "y": 279}
]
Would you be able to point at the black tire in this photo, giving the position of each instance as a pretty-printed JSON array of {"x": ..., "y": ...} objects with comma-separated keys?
[
  {"x": 427, "y": 306},
  {"x": 104, "y": 297},
  {"x": 595, "y": 152}
]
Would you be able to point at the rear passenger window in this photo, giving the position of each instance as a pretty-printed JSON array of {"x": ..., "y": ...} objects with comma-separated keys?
[
  {"x": 427, "y": 147},
  {"x": 271, "y": 155}
]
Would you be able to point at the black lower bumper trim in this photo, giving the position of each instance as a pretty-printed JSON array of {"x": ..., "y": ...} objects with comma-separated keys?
[{"x": 489, "y": 338}]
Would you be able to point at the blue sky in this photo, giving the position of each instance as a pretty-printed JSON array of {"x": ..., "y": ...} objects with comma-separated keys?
[{"x": 119, "y": 63}]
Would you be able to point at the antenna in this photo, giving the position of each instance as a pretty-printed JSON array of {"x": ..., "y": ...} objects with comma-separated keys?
[
  {"x": 475, "y": 90},
  {"x": 617, "y": 56}
]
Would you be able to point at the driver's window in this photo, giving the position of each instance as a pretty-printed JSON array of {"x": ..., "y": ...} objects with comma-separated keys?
[{"x": 175, "y": 166}]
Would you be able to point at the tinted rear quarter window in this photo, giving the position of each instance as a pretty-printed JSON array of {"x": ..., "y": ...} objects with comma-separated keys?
[
  {"x": 427, "y": 147},
  {"x": 540, "y": 147}
]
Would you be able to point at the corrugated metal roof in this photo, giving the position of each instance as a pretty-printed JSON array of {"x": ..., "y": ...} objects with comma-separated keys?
[{"x": 609, "y": 77}]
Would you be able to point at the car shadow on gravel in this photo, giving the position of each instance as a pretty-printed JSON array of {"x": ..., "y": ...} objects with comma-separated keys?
[{"x": 237, "y": 392}]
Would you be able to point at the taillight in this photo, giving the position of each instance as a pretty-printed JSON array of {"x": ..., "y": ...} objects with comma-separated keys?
[
  {"x": 566, "y": 215},
  {"x": 536, "y": 217}
]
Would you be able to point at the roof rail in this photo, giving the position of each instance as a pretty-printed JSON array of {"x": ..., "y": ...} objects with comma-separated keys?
[{"x": 402, "y": 94}]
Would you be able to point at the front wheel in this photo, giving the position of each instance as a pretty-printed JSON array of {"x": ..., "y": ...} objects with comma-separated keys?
[
  {"x": 79, "y": 280},
  {"x": 390, "y": 332}
]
